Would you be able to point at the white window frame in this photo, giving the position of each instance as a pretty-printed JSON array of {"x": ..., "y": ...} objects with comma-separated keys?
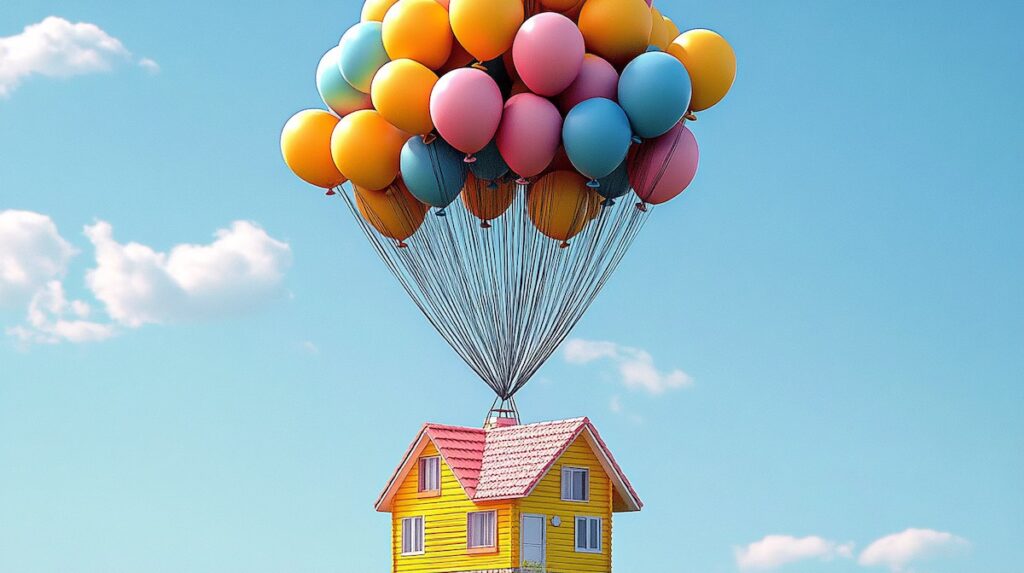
[
  {"x": 588, "y": 519},
  {"x": 422, "y": 521},
  {"x": 494, "y": 529},
  {"x": 567, "y": 472},
  {"x": 421, "y": 487}
]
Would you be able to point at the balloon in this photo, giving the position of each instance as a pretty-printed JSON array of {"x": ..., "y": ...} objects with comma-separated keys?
[
  {"x": 444, "y": 3},
  {"x": 466, "y": 108},
  {"x": 660, "y": 169},
  {"x": 338, "y": 94},
  {"x": 617, "y": 30},
  {"x": 560, "y": 205},
  {"x": 306, "y": 147},
  {"x": 489, "y": 164},
  {"x": 530, "y": 132},
  {"x": 418, "y": 30},
  {"x": 459, "y": 58},
  {"x": 597, "y": 137},
  {"x": 654, "y": 91},
  {"x": 673, "y": 31},
  {"x": 401, "y": 93},
  {"x": 597, "y": 78},
  {"x": 560, "y": 5},
  {"x": 661, "y": 31},
  {"x": 366, "y": 149},
  {"x": 375, "y": 10},
  {"x": 615, "y": 185},
  {"x": 487, "y": 200},
  {"x": 433, "y": 172},
  {"x": 548, "y": 53},
  {"x": 362, "y": 54},
  {"x": 711, "y": 63},
  {"x": 393, "y": 211},
  {"x": 486, "y": 28},
  {"x": 499, "y": 73}
]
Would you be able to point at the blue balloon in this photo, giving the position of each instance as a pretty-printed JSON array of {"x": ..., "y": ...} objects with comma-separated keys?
[
  {"x": 362, "y": 54},
  {"x": 489, "y": 164},
  {"x": 655, "y": 92},
  {"x": 615, "y": 185},
  {"x": 434, "y": 172},
  {"x": 338, "y": 94},
  {"x": 597, "y": 136}
]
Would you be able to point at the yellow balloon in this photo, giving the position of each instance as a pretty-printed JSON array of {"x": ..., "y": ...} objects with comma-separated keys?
[
  {"x": 306, "y": 147},
  {"x": 393, "y": 211},
  {"x": 487, "y": 28},
  {"x": 560, "y": 205},
  {"x": 487, "y": 200},
  {"x": 711, "y": 63},
  {"x": 661, "y": 31},
  {"x": 616, "y": 30},
  {"x": 673, "y": 30},
  {"x": 375, "y": 10},
  {"x": 418, "y": 30},
  {"x": 367, "y": 149},
  {"x": 401, "y": 94}
]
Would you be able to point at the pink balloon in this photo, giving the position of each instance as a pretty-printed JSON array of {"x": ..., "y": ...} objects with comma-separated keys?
[
  {"x": 548, "y": 53},
  {"x": 597, "y": 78},
  {"x": 466, "y": 108},
  {"x": 661, "y": 169},
  {"x": 530, "y": 132}
]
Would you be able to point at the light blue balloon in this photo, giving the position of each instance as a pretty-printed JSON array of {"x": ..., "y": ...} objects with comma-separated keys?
[
  {"x": 362, "y": 54},
  {"x": 655, "y": 92},
  {"x": 597, "y": 136},
  {"x": 338, "y": 94},
  {"x": 489, "y": 164},
  {"x": 434, "y": 172}
]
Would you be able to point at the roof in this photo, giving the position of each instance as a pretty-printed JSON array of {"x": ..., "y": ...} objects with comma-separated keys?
[{"x": 508, "y": 462}]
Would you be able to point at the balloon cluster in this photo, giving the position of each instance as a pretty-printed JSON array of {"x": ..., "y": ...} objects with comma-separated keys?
[{"x": 575, "y": 102}]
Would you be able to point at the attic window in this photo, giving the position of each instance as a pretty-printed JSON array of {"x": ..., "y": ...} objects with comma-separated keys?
[
  {"x": 575, "y": 484},
  {"x": 430, "y": 474}
]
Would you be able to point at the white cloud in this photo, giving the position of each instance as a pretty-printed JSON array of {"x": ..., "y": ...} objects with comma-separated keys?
[
  {"x": 53, "y": 319},
  {"x": 777, "y": 550},
  {"x": 635, "y": 366},
  {"x": 32, "y": 253},
  {"x": 898, "y": 550},
  {"x": 56, "y": 47},
  {"x": 242, "y": 268},
  {"x": 149, "y": 65}
]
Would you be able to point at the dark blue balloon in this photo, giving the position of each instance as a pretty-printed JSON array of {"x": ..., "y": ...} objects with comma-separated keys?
[
  {"x": 655, "y": 92},
  {"x": 433, "y": 172},
  {"x": 597, "y": 136},
  {"x": 615, "y": 185},
  {"x": 489, "y": 164}
]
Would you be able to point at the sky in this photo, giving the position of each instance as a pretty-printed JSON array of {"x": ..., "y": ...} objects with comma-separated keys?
[{"x": 204, "y": 368}]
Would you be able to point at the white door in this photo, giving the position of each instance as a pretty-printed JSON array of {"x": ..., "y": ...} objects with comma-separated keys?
[{"x": 534, "y": 542}]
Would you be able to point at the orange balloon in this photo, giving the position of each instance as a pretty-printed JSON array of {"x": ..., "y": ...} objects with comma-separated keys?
[
  {"x": 306, "y": 147},
  {"x": 367, "y": 149},
  {"x": 561, "y": 5},
  {"x": 393, "y": 211},
  {"x": 401, "y": 94},
  {"x": 711, "y": 62},
  {"x": 487, "y": 200},
  {"x": 616, "y": 30},
  {"x": 418, "y": 30},
  {"x": 487, "y": 28},
  {"x": 375, "y": 10},
  {"x": 560, "y": 205},
  {"x": 662, "y": 32}
]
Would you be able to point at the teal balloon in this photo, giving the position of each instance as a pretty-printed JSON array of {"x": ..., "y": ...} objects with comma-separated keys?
[
  {"x": 655, "y": 92},
  {"x": 597, "y": 136},
  {"x": 489, "y": 164},
  {"x": 362, "y": 54},
  {"x": 434, "y": 172},
  {"x": 337, "y": 93},
  {"x": 615, "y": 185}
]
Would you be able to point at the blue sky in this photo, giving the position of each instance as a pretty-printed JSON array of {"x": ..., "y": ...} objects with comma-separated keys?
[{"x": 842, "y": 283}]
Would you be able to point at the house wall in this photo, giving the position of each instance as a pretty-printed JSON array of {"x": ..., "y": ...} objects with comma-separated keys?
[
  {"x": 546, "y": 499},
  {"x": 445, "y": 527}
]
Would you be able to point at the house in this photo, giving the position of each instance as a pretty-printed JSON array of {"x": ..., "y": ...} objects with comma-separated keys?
[{"x": 508, "y": 498}]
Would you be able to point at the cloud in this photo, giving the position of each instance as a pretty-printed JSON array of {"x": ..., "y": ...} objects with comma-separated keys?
[
  {"x": 898, "y": 550},
  {"x": 777, "y": 550},
  {"x": 149, "y": 65},
  {"x": 241, "y": 269},
  {"x": 56, "y": 47},
  {"x": 32, "y": 253},
  {"x": 635, "y": 366},
  {"x": 53, "y": 319}
]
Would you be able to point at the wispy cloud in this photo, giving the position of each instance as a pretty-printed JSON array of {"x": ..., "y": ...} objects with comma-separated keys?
[
  {"x": 56, "y": 47},
  {"x": 775, "y": 551},
  {"x": 899, "y": 550},
  {"x": 53, "y": 319},
  {"x": 32, "y": 253},
  {"x": 635, "y": 366}
]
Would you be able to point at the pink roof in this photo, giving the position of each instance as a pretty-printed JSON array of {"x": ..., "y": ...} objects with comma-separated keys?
[{"x": 508, "y": 462}]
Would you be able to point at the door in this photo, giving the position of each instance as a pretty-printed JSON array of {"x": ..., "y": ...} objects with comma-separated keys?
[{"x": 534, "y": 542}]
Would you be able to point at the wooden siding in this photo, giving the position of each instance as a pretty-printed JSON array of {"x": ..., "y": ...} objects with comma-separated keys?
[
  {"x": 445, "y": 526},
  {"x": 546, "y": 500}
]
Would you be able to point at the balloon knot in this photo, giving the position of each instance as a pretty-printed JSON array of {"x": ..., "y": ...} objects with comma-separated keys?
[
  {"x": 441, "y": 213},
  {"x": 469, "y": 158},
  {"x": 690, "y": 116},
  {"x": 522, "y": 181},
  {"x": 331, "y": 192},
  {"x": 642, "y": 206},
  {"x": 594, "y": 184},
  {"x": 637, "y": 139},
  {"x": 480, "y": 66},
  {"x": 564, "y": 245},
  {"x": 403, "y": 245},
  {"x": 429, "y": 138},
  {"x": 492, "y": 184},
  {"x": 608, "y": 203},
  {"x": 485, "y": 225}
]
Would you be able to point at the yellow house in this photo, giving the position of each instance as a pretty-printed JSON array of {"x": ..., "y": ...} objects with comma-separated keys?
[{"x": 508, "y": 498}]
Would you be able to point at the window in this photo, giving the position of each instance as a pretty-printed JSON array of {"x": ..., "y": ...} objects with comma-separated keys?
[
  {"x": 412, "y": 536},
  {"x": 480, "y": 529},
  {"x": 430, "y": 474},
  {"x": 588, "y": 534},
  {"x": 575, "y": 484}
]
